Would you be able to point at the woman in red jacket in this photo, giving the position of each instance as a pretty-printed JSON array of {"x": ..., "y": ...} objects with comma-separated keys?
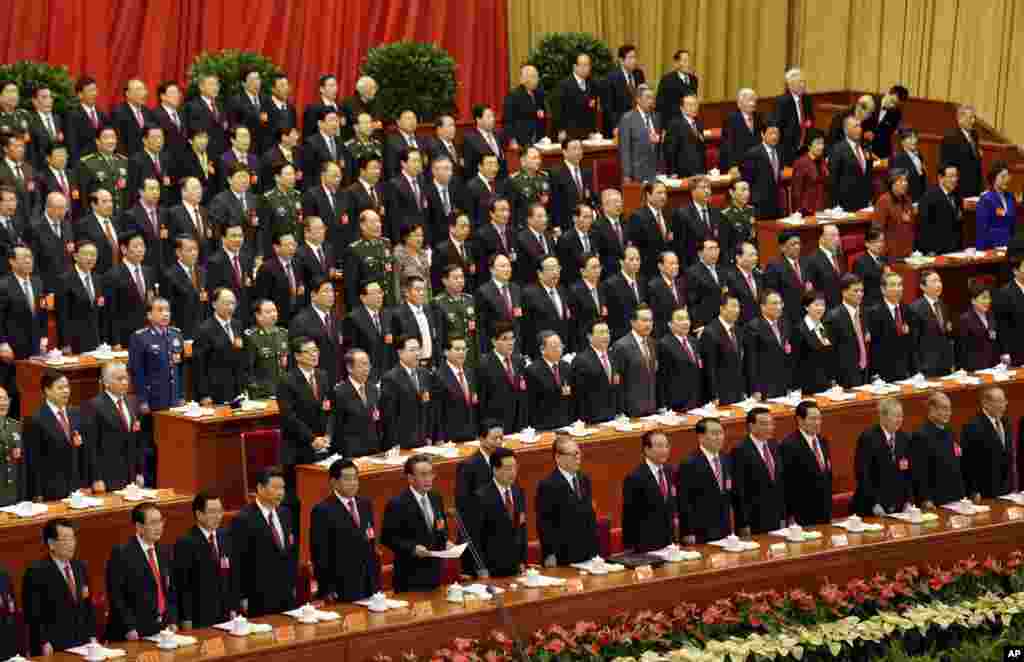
[{"x": 809, "y": 176}]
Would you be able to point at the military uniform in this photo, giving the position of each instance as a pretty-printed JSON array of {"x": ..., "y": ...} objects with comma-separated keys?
[
  {"x": 357, "y": 149},
  {"x": 97, "y": 170},
  {"x": 15, "y": 121},
  {"x": 460, "y": 321},
  {"x": 524, "y": 189},
  {"x": 154, "y": 360},
  {"x": 10, "y": 469},
  {"x": 268, "y": 356},
  {"x": 282, "y": 212},
  {"x": 370, "y": 259},
  {"x": 741, "y": 227}
]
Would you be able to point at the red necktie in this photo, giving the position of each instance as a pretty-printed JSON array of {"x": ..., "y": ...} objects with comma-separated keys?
[
  {"x": 716, "y": 466},
  {"x": 156, "y": 165},
  {"x": 161, "y": 600},
  {"x": 353, "y": 511},
  {"x": 238, "y": 271},
  {"x": 508, "y": 300},
  {"x": 819, "y": 455},
  {"x": 63, "y": 418},
  {"x": 124, "y": 414},
  {"x": 675, "y": 294},
  {"x": 750, "y": 283},
  {"x": 92, "y": 118},
  {"x": 63, "y": 183},
  {"x": 314, "y": 385},
  {"x": 510, "y": 506},
  {"x": 138, "y": 116},
  {"x": 465, "y": 387},
  {"x": 689, "y": 350},
  {"x": 861, "y": 345},
  {"x": 508, "y": 371},
  {"x": 70, "y": 576},
  {"x": 558, "y": 377},
  {"x": 273, "y": 530},
  {"x": 604, "y": 363},
  {"x": 769, "y": 461},
  {"x": 662, "y": 483},
  {"x": 899, "y": 321},
  {"x": 799, "y": 276},
  {"x": 213, "y": 546}
]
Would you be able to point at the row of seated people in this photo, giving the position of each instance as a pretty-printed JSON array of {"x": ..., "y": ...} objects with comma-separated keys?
[{"x": 251, "y": 567}]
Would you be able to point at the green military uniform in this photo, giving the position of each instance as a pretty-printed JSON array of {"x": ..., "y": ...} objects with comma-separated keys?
[
  {"x": 10, "y": 471},
  {"x": 357, "y": 149},
  {"x": 742, "y": 227},
  {"x": 460, "y": 321},
  {"x": 370, "y": 259},
  {"x": 97, "y": 170},
  {"x": 15, "y": 121},
  {"x": 282, "y": 212},
  {"x": 266, "y": 348},
  {"x": 524, "y": 189}
]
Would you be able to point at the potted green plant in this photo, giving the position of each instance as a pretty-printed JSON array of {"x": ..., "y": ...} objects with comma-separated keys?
[
  {"x": 28, "y": 75},
  {"x": 229, "y": 65},
  {"x": 413, "y": 76},
  {"x": 556, "y": 53}
]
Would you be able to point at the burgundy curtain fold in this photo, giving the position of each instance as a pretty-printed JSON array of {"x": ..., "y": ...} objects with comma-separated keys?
[{"x": 155, "y": 40}]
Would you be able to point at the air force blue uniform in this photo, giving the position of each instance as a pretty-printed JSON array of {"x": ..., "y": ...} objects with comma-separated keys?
[{"x": 154, "y": 358}]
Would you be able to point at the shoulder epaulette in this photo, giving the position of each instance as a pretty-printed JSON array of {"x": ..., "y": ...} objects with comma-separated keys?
[
  {"x": 120, "y": 156},
  {"x": 250, "y": 331},
  {"x": 90, "y": 156},
  {"x": 142, "y": 330}
]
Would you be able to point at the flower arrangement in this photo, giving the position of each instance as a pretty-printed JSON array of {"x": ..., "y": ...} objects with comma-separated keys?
[{"x": 909, "y": 610}]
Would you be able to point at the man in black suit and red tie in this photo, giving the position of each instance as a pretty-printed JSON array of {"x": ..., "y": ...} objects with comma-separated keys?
[
  {"x": 747, "y": 281},
  {"x": 231, "y": 268},
  {"x": 80, "y": 302},
  {"x": 343, "y": 539},
  {"x": 128, "y": 288},
  {"x": 368, "y": 327},
  {"x": 22, "y": 316},
  {"x": 758, "y": 480},
  {"x": 620, "y": 88},
  {"x": 635, "y": 360},
  {"x": 595, "y": 384},
  {"x": 807, "y": 466},
  {"x": 741, "y": 131},
  {"x": 665, "y": 292},
  {"x": 608, "y": 226},
  {"x": 674, "y": 85},
  {"x": 685, "y": 151},
  {"x": 524, "y": 115},
  {"x": 794, "y": 113},
  {"x": 407, "y": 410},
  {"x": 767, "y": 349},
  {"x": 762, "y": 167},
  {"x": 111, "y": 424},
  {"x": 355, "y": 428},
  {"x": 991, "y": 459},
  {"x": 931, "y": 328},
  {"x": 472, "y": 475},
  {"x": 502, "y": 381},
  {"x": 825, "y": 266},
  {"x": 185, "y": 287},
  {"x": 456, "y": 394},
  {"x": 415, "y": 524},
  {"x": 546, "y": 307},
  {"x": 167, "y": 115},
  {"x": 1008, "y": 305},
  {"x": 443, "y": 145},
  {"x": 623, "y": 292},
  {"x": 207, "y": 582},
  {"x": 882, "y": 464},
  {"x": 56, "y": 595},
  {"x": 651, "y": 230},
  {"x": 319, "y": 323},
  {"x": 219, "y": 361},
  {"x": 566, "y": 521},
  {"x": 571, "y": 185},
  {"x": 851, "y": 169},
  {"x": 786, "y": 276},
  {"x": 579, "y": 241},
  {"x": 705, "y": 282},
  {"x": 576, "y": 116},
  {"x": 131, "y": 117},
  {"x": 704, "y": 484},
  {"x": 207, "y": 112},
  {"x": 152, "y": 161},
  {"x": 278, "y": 279},
  {"x": 532, "y": 244},
  {"x": 52, "y": 241},
  {"x": 680, "y": 367},
  {"x": 148, "y": 219},
  {"x": 549, "y": 383},
  {"x": 143, "y": 597},
  {"x": 265, "y": 551},
  {"x": 498, "y": 527},
  {"x": 891, "y": 353},
  {"x": 937, "y": 457},
  {"x": 83, "y": 120},
  {"x": 483, "y": 141},
  {"x": 498, "y": 300},
  {"x": 649, "y": 500},
  {"x": 848, "y": 332},
  {"x": 721, "y": 347},
  {"x": 323, "y": 145},
  {"x": 960, "y": 148},
  {"x": 332, "y": 205},
  {"x": 589, "y": 302}
]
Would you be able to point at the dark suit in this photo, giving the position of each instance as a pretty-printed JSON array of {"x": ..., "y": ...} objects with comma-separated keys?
[
  {"x": 851, "y": 185},
  {"x": 566, "y": 193},
  {"x": 586, "y": 309},
  {"x": 355, "y": 426},
  {"x": 478, "y": 199},
  {"x": 88, "y": 227},
  {"x": 648, "y": 514},
  {"x": 327, "y": 334},
  {"x": 435, "y": 226},
  {"x": 475, "y": 148},
  {"x": 738, "y": 139},
  {"x": 51, "y": 254},
  {"x": 792, "y": 132},
  {"x": 80, "y": 133},
  {"x": 619, "y": 95},
  {"x": 965, "y": 154},
  {"x": 932, "y": 340},
  {"x": 225, "y": 207},
  {"x": 159, "y": 251},
  {"x": 10, "y": 637},
  {"x": 704, "y": 503},
  {"x": 979, "y": 345},
  {"x": 500, "y": 535},
  {"x": 502, "y": 396},
  {"x": 759, "y": 493},
  {"x": 684, "y": 151},
  {"x": 765, "y": 188},
  {"x": 671, "y": 89},
  {"x": 78, "y": 315},
  {"x": 242, "y": 110},
  {"x": 551, "y": 404},
  {"x": 53, "y": 615},
  {"x": 613, "y": 247},
  {"x": 344, "y": 553},
  {"x": 723, "y": 361},
  {"x": 638, "y": 374},
  {"x": 219, "y": 368},
  {"x": 456, "y": 412},
  {"x": 437, "y": 148},
  {"x": 360, "y": 332},
  {"x": 403, "y": 529},
  {"x": 53, "y": 465},
  {"x": 272, "y": 283},
  {"x": 843, "y": 335},
  {"x": 47, "y": 183},
  {"x": 142, "y": 166},
  {"x": 918, "y": 180},
  {"x": 317, "y": 151},
  {"x": 129, "y": 129},
  {"x": 125, "y": 304},
  {"x": 541, "y": 314},
  {"x": 987, "y": 459},
  {"x": 566, "y": 521},
  {"x": 818, "y": 270},
  {"x": 403, "y": 323},
  {"x": 782, "y": 277},
  {"x": 871, "y": 271},
  {"x": 404, "y": 207},
  {"x": 598, "y": 396},
  {"x": 490, "y": 241},
  {"x": 19, "y": 326},
  {"x": 115, "y": 444},
  {"x": 491, "y": 308},
  {"x": 570, "y": 250},
  {"x": 444, "y": 254},
  {"x": 621, "y": 300},
  {"x": 188, "y": 310},
  {"x": 940, "y": 222},
  {"x": 132, "y": 591},
  {"x": 808, "y": 487},
  {"x": 692, "y": 230},
  {"x": 737, "y": 283},
  {"x": 883, "y": 473},
  {"x": 198, "y": 114},
  {"x": 393, "y": 146},
  {"x": 530, "y": 252},
  {"x": 406, "y": 409},
  {"x": 207, "y": 581},
  {"x": 892, "y": 353},
  {"x": 663, "y": 301},
  {"x": 267, "y": 572},
  {"x": 524, "y": 116},
  {"x": 936, "y": 465},
  {"x": 175, "y": 135},
  {"x": 220, "y": 272},
  {"x": 704, "y": 293},
  {"x": 768, "y": 358},
  {"x": 304, "y": 416},
  {"x": 814, "y": 365},
  {"x": 577, "y": 108},
  {"x": 680, "y": 376},
  {"x": 1008, "y": 305},
  {"x": 342, "y": 226},
  {"x": 179, "y": 222}
]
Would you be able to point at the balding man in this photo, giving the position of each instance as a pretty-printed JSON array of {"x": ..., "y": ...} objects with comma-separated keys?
[
  {"x": 936, "y": 465},
  {"x": 112, "y": 427},
  {"x": 863, "y": 110},
  {"x": 883, "y": 464},
  {"x": 131, "y": 116},
  {"x": 639, "y": 132},
  {"x": 576, "y": 116},
  {"x": 524, "y": 115},
  {"x": 52, "y": 242},
  {"x": 991, "y": 459},
  {"x": 850, "y": 169},
  {"x": 960, "y": 148},
  {"x": 794, "y": 113},
  {"x": 220, "y": 364},
  {"x": 826, "y": 266},
  {"x": 363, "y": 101},
  {"x": 741, "y": 131},
  {"x": 684, "y": 150}
]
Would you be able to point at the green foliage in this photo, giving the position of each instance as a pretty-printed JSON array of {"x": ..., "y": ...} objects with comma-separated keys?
[
  {"x": 229, "y": 65},
  {"x": 28, "y": 75},
  {"x": 414, "y": 76},
  {"x": 556, "y": 53}
]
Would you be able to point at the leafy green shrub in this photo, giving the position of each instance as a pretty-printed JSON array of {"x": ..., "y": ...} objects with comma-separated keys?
[
  {"x": 228, "y": 65},
  {"x": 28, "y": 75},
  {"x": 412, "y": 76}
]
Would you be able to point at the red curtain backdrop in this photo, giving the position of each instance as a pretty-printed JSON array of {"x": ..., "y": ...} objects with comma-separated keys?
[{"x": 155, "y": 40}]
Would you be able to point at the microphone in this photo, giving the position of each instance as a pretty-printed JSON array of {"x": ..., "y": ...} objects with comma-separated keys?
[{"x": 464, "y": 533}]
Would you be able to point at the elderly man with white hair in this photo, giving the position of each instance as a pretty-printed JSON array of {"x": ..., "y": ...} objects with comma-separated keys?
[
  {"x": 524, "y": 115},
  {"x": 794, "y": 113},
  {"x": 863, "y": 110},
  {"x": 52, "y": 241},
  {"x": 112, "y": 428},
  {"x": 741, "y": 131},
  {"x": 960, "y": 147},
  {"x": 363, "y": 101}
]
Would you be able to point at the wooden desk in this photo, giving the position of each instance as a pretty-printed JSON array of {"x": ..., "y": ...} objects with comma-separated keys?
[
  {"x": 955, "y": 273},
  {"x": 204, "y": 453},
  {"x": 98, "y": 529},
  {"x": 718, "y": 574},
  {"x": 609, "y": 456},
  {"x": 679, "y": 196},
  {"x": 768, "y": 233}
]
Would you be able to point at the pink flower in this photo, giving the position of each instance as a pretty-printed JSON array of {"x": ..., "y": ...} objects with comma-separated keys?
[
  {"x": 555, "y": 646},
  {"x": 462, "y": 645}
]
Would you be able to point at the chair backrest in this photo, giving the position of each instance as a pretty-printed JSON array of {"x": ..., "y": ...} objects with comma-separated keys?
[{"x": 260, "y": 449}]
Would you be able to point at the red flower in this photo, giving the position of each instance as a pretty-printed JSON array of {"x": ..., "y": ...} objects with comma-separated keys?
[{"x": 555, "y": 646}]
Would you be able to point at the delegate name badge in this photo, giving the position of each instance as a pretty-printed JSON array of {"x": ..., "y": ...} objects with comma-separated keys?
[
  {"x": 517, "y": 312},
  {"x": 370, "y": 534},
  {"x": 439, "y": 524},
  {"x": 375, "y": 414},
  {"x": 225, "y": 563},
  {"x": 957, "y": 451},
  {"x": 904, "y": 464}
]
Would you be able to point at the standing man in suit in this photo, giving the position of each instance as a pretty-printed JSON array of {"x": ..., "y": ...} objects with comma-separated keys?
[
  {"x": 704, "y": 484},
  {"x": 685, "y": 151},
  {"x": 355, "y": 427},
  {"x": 649, "y": 499},
  {"x": 741, "y": 131},
  {"x": 639, "y": 133},
  {"x": 882, "y": 463},
  {"x": 206, "y": 112},
  {"x": 891, "y": 353},
  {"x": 571, "y": 184},
  {"x": 762, "y": 167},
  {"x": 416, "y": 318},
  {"x": 443, "y": 145},
  {"x": 319, "y": 323},
  {"x": 403, "y": 139},
  {"x": 219, "y": 361},
  {"x": 547, "y": 307},
  {"x": 767, "y": 350},
  {"x": 960, "y": 148},
  {"x": 83, "y": 120},
  {"x": 931, "y": 328},
  {"x": 758, "y": 480},
  {"x": 620, "y": 89},
  {"x": 786, "y": 276},
  {"x": 58, "y": 604},
  {"x": 940, "y": 219},
  {"x": 548, "y": 381},
  {"x": 1008, "y": 305},
  {"x": 910, "y": 160},
  {"x": 327, "y": 202},
  {"x": 675, "y": 85},
  {"x": 566, "y": 520},
  {"x": 237, "y": 203},
  {"x": 699, "y": 221},
  {"x": 112, "y": 426},
  {"x": 278, "y": 278},
  {"x": 589, "y": 302},
  {"x": 207, "y": 582},
  {"x": 231, "y": 267},
  {"x": 722, "y": 350},
  {"x": 851, "y": 169},
  {"x": 991, "y": 463},
  {"x": 57, "y": 462},
  {"x": 609, "y": 227},
  {"x": 499, "y": 524},
  {"x": 680, "y": 367},
  {"x": 502, "y": 381},
  {"x": 849, "y": 335},
  {"x": 80, "y": 301},
  {"x": 623, "y": 292},
  {"x": 794, "y": 113},
  {"x": 406, "y": 408},
  {"x": 533, "y": 244},
  {"x": 128, "y": 288},
  {"x": 665, "y": 292},
  {"x": 705, "y": 284},
  {"x": 167, "y": 116},
  {"x": 937, "y": 464},
  {"x": 871, "y": 265},
  {"x": 595, "y": 383},
  {"x": 525, "y": 115},
  {"x": 368, "y": 328},
  {"x": 185, "y": 286},
  {"x": 143, "y": 597},
  {"x": 22, "y": 315},
  {"x": 327, "y": 86},
  {"x": 52, "y": 241},
  {"x": 248, "y": 109},
  {"x": 807, "y": 466},
  {"x": 824, "y": 268},
  {"x": 471, "y": 476},
  {"x": 343, "y": 540},
  {"x": 416, "y": 523},
  {"x": 131, "y": 117},
  {"x": 579, "y": 241},
  {"x": 635, "y": 360},
  {"x": 150, "y": 221},
  {"x": 455, "y": 394},
  {"x": 444, "y": 196},
  {"x": 483, "y": 141},
  {"x": 576, "y": 116},
  {"x": 498, "y": 300},
  {"x": 98, "y": 227},
  {"x": 265, "y": 551}
]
